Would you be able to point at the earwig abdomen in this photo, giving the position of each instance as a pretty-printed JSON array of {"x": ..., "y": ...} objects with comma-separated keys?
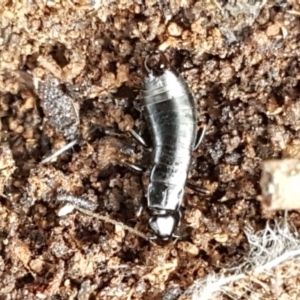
[{"x": 170, "y": 112}]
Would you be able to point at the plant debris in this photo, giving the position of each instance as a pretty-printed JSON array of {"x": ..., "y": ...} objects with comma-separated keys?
[
  {"x": 59, "y": 108},
  {"x": 279, "y": 184},
  {"x": 7, "y": 166},
  {"x": 274, "y": 251}
]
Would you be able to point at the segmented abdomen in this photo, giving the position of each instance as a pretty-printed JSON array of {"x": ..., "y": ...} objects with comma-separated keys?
[{"x": 170, "y": 112}]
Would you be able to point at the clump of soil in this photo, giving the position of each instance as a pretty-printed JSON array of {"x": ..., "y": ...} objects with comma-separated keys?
[{"x": 72, "y": 70}]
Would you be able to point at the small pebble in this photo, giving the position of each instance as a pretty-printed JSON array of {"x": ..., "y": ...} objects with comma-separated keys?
[{"x": 174, "y": 29}]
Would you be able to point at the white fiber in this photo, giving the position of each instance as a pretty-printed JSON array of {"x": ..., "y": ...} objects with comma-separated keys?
[{"x": 267, "y": 272}]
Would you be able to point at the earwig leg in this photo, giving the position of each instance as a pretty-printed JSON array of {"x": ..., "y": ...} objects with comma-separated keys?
[
  {"x": 197, "y": 188},
  {"x": 133, "y": 167},
  {"x": 176, "y": 236},
  {"x": 135, "y": 135},
  {"x": 201, "y": 136},
  {"x": 138, "y": 138}
]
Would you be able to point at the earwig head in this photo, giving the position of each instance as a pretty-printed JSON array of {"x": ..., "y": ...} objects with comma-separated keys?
[
  {"x": 163, "y": 225},
  {"x": 161, "y": 80},
  {"x": 156, "y": 63}
]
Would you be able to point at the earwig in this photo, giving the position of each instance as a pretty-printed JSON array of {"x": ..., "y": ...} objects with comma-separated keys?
[{"x": 171, "y": 115}]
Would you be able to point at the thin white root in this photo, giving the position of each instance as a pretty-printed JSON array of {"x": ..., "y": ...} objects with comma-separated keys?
[
  {"x": 293, "y": 12},
  {"x": 114, "y": 222},
  {"x": 59, "y": 152},
  {"x": 216, "y": 2},
  {"x": 87, "y": 206}
]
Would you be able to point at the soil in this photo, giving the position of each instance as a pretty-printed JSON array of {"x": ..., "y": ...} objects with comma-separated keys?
[{"x": 73, "y": 70}]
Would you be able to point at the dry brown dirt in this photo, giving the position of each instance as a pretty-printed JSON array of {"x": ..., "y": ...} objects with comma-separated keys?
[{"x": 73, "y": 70}]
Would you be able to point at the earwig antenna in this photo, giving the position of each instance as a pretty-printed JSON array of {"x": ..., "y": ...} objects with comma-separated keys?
[
  {"x": 164, "y": 60},
  {"x": 146, "y": 66}
]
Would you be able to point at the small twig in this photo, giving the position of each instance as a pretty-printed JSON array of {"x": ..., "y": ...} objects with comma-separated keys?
[
  {"x": 114, "y": 222},
  {"x": 293, "y": 12},
  {"x": 76, "y": 113},
  {"x": 59, "y": 152},
  {"x": 218, "y": 5}
]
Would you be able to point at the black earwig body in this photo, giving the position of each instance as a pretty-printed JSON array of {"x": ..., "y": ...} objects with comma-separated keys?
[{"x": 170, "y": 112}]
